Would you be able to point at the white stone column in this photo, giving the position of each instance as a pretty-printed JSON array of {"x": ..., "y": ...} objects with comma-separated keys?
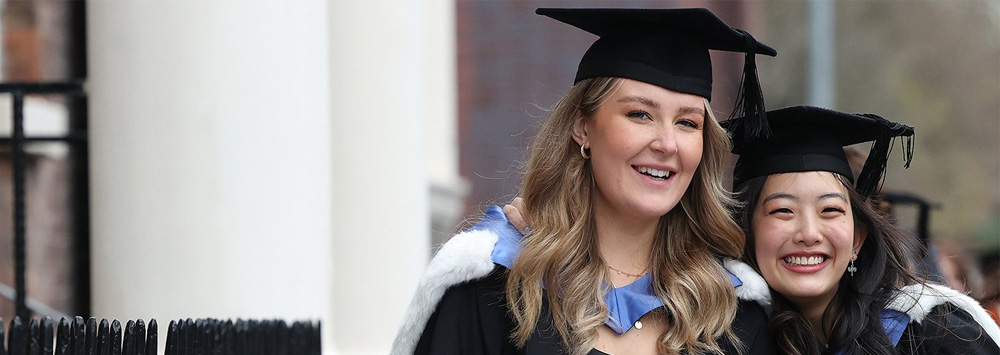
[
  {"x": 392, "y": 74},
  {"x": 448, "y": 188},
  {"x": 210, "y": 137}
]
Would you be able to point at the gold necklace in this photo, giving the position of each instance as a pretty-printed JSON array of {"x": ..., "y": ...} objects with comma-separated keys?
[
  {"x": 643, "y": 272},
  {"x": 638, "y": 323}
]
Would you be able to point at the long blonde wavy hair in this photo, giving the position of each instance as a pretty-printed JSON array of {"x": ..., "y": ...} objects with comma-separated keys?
[{"x": 561, "y": 251}]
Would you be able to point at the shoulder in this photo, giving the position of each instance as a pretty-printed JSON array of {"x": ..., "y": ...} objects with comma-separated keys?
[
  {"x": 752, "y": 286},
  {"x": 947, "y": 329},
  {"x": 945, "y": 318},
  {"x": 463, "y": 260},
  {"x": 750, "y": 327},
  {"x": 471, "y": 318}
]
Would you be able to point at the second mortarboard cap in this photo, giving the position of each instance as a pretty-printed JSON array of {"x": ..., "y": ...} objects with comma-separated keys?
[
  {"x": 924, "y": 207},
  {"x": 927, "y": 255},
  {"x": 806, "y": 138},
  {"x": 668, "y": 48}
]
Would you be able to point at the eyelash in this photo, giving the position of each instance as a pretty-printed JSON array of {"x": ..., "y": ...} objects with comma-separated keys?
[
  {"x": 825, "y": 210},
  {"x": 646, "y": 116},
  {"x": 689, "y": 123},
  {"x": 643, "y": 115},
  {"x": 779, "y": 210},
  {"x": 834, "y": 209}
]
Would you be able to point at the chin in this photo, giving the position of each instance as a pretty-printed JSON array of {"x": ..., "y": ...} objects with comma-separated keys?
[
  {"x": 658, "y": 211},
  {"x": 800, "y": 294},
  {"x": 800, "y": 291}
]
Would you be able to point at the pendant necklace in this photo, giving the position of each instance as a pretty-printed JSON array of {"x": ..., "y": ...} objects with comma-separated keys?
[{"x": 638, "y": 323}]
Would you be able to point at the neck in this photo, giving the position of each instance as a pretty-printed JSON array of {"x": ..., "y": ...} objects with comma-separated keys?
[{"x": 625, "y": 244}]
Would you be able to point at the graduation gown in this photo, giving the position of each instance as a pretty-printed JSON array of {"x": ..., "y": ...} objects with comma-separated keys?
[
  {"x": 472, "y": 319},
  {"x": 460, "y": 305},
  {"x": 934, "y": 319}
]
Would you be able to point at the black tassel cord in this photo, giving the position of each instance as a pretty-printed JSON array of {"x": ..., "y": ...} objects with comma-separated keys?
[
  {"x": 749, "y": 110},
  {"x": 873, "y": 173}
]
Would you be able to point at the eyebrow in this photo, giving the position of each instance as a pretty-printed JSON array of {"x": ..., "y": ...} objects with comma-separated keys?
[
  {"x": 646, "y": 101},
  {"x": 778, "y": 195},
  {"x": 640, "y": 99},
  {"x": 833, "y": 195},
  {"x": 694, "y": 110}
]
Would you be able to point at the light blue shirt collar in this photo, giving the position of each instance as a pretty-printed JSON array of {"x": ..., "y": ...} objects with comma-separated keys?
[{"x": 626, "y": 304}]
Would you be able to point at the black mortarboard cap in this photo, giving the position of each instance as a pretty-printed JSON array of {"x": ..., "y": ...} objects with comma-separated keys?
[
  {"x": 668, "y": 48},
  {"x": 925, "y": 256},
  {"x": 924, "y": 206},
  {"x": 806, "y": 138}
]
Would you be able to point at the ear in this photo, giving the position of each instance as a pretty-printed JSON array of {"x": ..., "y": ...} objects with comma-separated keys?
[
  {"x": 580, "y": 129},
  {"x": 860, "y": 234}
]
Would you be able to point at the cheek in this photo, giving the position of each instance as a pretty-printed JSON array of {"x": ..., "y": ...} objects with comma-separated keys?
[
  {"x": 766, "y": 240},
  {"x": 691, "y": 149},
  {"x": 844, "y": 233},
  {"x": 763, "y": 247},
  {"x": 624, "y": 143}
]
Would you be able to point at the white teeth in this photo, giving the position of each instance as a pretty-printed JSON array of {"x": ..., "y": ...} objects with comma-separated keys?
[
  {"x": 662, "y": 174},
  {"x": 804, "y": 260}
]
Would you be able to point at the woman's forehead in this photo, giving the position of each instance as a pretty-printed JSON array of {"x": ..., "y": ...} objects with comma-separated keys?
[
  {"x": 651, "y": 95},
  {"x": 800, "y": 181}
]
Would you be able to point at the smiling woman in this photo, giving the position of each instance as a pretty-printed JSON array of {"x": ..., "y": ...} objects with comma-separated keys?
[
  {"x": 629, "y": 216},
  {"x": 646, "y": 144},
  {"x": 840, "y": 274},
  {"x": 804, "y": 235}
]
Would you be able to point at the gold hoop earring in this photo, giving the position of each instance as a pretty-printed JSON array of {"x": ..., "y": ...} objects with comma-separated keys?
[{"x": 583, "y": 152}]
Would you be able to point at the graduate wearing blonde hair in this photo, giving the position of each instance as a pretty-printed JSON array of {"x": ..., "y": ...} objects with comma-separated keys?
[{"x": 629, "y": 216}]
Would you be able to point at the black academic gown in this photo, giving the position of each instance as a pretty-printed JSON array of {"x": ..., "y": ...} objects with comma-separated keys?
[
  {"x": 472, "y": 318},
  {"x": 935, "y": 319},
  {"x": 947, "y": 329}
]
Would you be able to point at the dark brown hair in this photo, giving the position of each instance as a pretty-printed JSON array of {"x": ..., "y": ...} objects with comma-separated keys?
[{"x": 851, "y": 320}]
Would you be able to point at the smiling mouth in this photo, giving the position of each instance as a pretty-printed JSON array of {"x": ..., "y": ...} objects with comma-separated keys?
[
  {"x": 804, "y": 260},
  {"x": 653, "y": 173}
]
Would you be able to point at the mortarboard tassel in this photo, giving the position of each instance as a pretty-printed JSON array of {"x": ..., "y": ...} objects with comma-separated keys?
[
  {"x": 874, "y": 170},
  {"x": 749, "y": 109},
  {"x": 908, "y": 153}
]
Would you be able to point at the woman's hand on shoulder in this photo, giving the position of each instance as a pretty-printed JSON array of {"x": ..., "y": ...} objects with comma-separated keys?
[{"x": 513, "y": 212}]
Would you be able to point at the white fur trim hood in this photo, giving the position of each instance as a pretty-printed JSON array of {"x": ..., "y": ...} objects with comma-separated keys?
[
  {"x": 467, "y": 256},
  {"x": 918, "y": 300},
  {"x": 754, "y": 288},
  {"x": 464, "y": 257}
]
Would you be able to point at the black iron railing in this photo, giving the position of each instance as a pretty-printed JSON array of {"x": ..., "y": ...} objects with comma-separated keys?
[
  {"x": 77, "y": 138},
  {"x": 184, "y": 337}
]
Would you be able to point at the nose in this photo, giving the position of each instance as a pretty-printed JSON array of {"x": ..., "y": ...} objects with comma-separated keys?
[
  {"x": 665, "y": 141},
  {"x": 809, "y": 232}
]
